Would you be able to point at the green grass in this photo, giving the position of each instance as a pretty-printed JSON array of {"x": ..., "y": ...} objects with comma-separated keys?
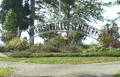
[
  {"x": 62, "y": 60},
  {"x": 118, "y": 74},
  {"x": 6, "y": 71}
]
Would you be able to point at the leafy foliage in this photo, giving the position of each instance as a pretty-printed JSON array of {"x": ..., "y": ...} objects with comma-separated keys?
[
  {"x": 26, "y": 54},
  {"x": 14, "y": 13},
  {"x": 68, "y": 51},
  {"x": 92, "y": 48},
  {"x": 11, "y": 22},
  {"x": 7, "y": 36},
  {"x": 17, "y": 12},
  {"x": 75, "y": 9},
  {"x": 22, "y": 54},
  {"x": 71, "y": 49},
  {"x": 17, "y": 44},
  {"x": 49, "y": 49},
  {"x": 97, "y": 48},
  {"x": 110, "y": 36},
  {"x": 58, "y": 40},
  {"x": 35, "y": 48},
  {"x": 72, "y": 10},
  {"x": 3, "y": 49}
]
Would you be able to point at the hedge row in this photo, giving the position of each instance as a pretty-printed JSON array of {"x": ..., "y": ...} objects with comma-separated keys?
[{"x": 90, "y": 54}]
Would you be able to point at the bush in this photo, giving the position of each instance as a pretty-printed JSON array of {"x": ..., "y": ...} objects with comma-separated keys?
[
  {"x": 71, "y": 49},
  {"x": 34, "y": 49},
  {"x": 49, "y": 49},
  {"x": 27, "y": 54},
  {"x": 17, "y": 44},
  {"x": 95, "y": 48},
  {"x": 36, "y": 55},
  {"x": 92, "y": 48},
  {"x": 3, "y": 49},
  {"x": 22, "y": 54},
  {"x": 6, "y": 37},
  {"x": 109, "y": 36}
]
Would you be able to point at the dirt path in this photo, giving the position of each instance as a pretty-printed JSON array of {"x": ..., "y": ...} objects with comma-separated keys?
[{"x": 107, "y": 69}]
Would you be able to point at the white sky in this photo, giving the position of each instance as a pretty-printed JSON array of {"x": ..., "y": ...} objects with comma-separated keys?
[{"x": 110, "y": 13}]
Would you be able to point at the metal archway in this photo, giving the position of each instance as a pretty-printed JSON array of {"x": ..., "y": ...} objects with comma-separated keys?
[{"x": 64, "y": 26}]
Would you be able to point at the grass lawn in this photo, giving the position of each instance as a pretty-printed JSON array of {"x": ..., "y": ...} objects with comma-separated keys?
[
  {"x": 6, "y": 71},
  {"x": 62, "y": 60},
  {"x": 118, "y": 74}
]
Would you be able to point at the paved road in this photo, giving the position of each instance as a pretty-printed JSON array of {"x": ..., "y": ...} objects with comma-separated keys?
[{"x": 107, "y": 69}]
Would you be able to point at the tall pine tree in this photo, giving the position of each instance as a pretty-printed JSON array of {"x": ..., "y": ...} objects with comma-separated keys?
[
  {"x": 22, "y": 12},
  {"x": 21, "y": 17}
]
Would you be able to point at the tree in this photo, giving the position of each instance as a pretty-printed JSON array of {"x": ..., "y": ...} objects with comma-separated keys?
[
  {"x": 81, "y": 11},
  {"x": 10, "y": 25},
  {"x": 11, "y": 22},
  {"x": 109, "y": 36},
  {"x": 14, "y": 14},
  {"x": 22, "y": 14},
  {"x": 32, "y": 24},
  {"x": 34, "y": 16}
]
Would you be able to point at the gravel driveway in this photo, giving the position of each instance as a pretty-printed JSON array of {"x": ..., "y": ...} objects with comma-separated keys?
[{"x": 107, "y": 69}]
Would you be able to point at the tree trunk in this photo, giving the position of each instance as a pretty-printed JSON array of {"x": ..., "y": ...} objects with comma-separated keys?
[{"x": 32, "y": 24}]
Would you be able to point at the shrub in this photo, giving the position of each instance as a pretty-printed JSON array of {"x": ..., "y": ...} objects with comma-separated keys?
[
  {"x": 27, "y": 54},
  {"x": 49, "y": 49},
  {"x": 8, "y": 36},
  {"x": 38, "y": 45},
  {"x": 35, "y": 48},
  {"x": 109, "y": 36},
  {"x": 36, "y": 55},
  {"x": 22, "y": 54},
  {"x": 58, "y": 41},
  {"x": 102, "y": 49},
  {"x": 92, "y": 48},
  {"x": 95, "y": 48},
  {"x": 3, "y": 49},
  {"x": 17, "y": 44},
  {"x": 71, "y": 49}
]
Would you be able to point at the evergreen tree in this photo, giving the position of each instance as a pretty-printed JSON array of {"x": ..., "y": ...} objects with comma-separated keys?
[
  {"x": 10, "y": 24},
  {"x": 22, "y": 12},
  {"x": 14, "y": 14}
]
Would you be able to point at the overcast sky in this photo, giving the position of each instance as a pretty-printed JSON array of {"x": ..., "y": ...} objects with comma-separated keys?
[{"x": 111, "y": 13}]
